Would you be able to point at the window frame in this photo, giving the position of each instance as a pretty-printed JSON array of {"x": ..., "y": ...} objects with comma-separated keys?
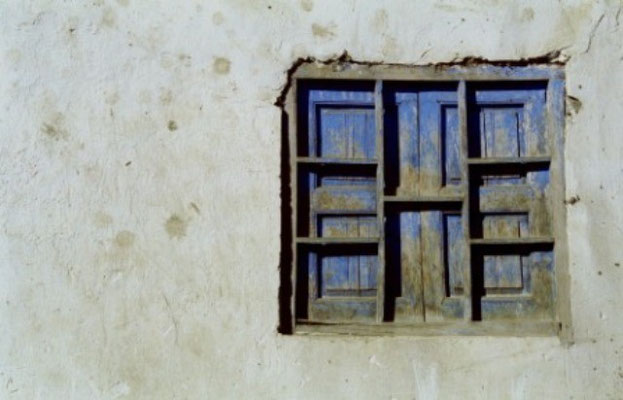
[{"x": 554, "y": 75}]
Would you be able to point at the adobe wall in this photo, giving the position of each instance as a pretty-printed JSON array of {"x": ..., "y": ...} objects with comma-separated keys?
[{"x": 140, "y": 200}]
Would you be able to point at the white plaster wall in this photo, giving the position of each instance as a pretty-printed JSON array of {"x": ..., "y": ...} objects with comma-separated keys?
[{"x": 139, "y": 257}]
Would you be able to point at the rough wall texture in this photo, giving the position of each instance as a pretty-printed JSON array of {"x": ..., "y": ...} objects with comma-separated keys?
[{"x": 140, "y": 210}]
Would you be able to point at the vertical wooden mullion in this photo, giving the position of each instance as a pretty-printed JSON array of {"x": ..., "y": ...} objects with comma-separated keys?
[
  {"x": 555, "y": 129},
  {"x": 465, "y": 211},
  {"x": 380, "y": 205}
]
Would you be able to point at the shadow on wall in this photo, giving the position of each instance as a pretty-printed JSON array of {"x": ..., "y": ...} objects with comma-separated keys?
[{"x": 285, "y": 258}]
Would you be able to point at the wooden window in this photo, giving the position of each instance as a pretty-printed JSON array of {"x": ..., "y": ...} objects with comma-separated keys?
[{"x": 427, "y": 200}]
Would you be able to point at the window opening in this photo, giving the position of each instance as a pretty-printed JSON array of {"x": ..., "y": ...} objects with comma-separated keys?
[{"x": 418, "y": 203}]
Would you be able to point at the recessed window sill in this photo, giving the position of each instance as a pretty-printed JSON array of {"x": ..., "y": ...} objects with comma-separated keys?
[{"x": 545, "y": 328}]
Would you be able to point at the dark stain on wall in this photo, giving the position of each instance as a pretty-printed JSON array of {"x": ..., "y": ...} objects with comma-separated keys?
[
  {"x": 222, "y": 65},
  {"x": 285, "y": 256},
  {"x": 176, "y": 227}
]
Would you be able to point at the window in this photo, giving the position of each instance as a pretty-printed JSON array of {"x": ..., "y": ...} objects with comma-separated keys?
[{"x": 427, "y": 200}]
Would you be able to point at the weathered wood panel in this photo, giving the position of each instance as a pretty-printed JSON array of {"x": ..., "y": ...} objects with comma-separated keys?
[
  {"x": 508, "y": 123},
  {"x": 341, "y": 193},
  {"x": 427, "y": 202}
]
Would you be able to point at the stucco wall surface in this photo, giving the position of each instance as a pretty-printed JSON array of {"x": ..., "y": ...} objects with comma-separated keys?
[{"x": 140, "y": 200}]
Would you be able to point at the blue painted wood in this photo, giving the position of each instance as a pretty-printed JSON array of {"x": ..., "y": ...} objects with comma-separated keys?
[
  {"x": 347, "y": 133},
  {"x": 426, "y": 243},
  {"x": 508, "y": 73},
  {"x": 409, "y": 301},
  {"x": 454, "y": 248},
  {"x": 312, "y": 270},
  {"x": 342, "y": 282},
  {"x": 503, "y": 196},
  {"x": 539, "y": 181},
  {"x": 347, "y": 180},
  {"x": 343, "y": 203},
  {"x": 346, "y": 309},
  {"x": 510, "y": 123},
  {"x": 344, "y": 275},
  {"x": 430, "y": 168},
  {"x": 426, "y": 130},
  {"x": 330, "y": 113},
  {"x": 451, "y": 156},
  {"x": 408, "y": 145},
  {"x": 432, "y": 262},
  {"x": 347, "y": 226},
  {"x": 502, "y": 132},
  {"x": 343, "y": 96},
  {"x": 504, "y": 271},
  {"x": 507, "y": 93},
  {"x": 534, "y": 299},
  {"x": 427, "y": 138},
  {"x": 344, "y": 198}
]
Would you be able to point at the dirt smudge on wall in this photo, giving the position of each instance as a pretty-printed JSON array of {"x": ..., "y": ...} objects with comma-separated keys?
[
  {"x": 176, "y": 226},
  {"x": 222, "y": 65},
  {"x": 54, "y": 128},
  {"x": 108, "y": 18},
  {"x": 527, "y": 14},
  {"x": 322, "y": 31},
  {"x": 166, "y": 96},
  {"x": 102, "y": 220},
  {"x": 125, "y": 239},
  {"x": 217, "y": 18},
  {"x": 307, "y": 5},
  {"x": 380, "y": 20}
]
